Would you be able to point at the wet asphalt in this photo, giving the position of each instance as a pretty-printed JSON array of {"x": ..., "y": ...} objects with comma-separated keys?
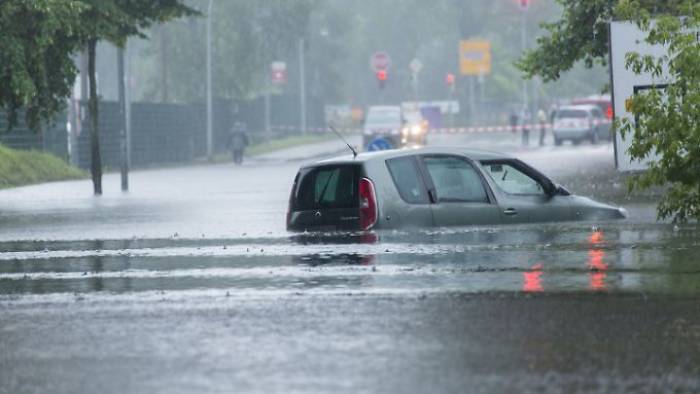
[{"x": 190, "y": 283}]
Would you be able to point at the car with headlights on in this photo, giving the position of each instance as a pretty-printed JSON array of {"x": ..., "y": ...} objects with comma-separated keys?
[
  {"x": 430, "y": 186},
  {"x": 383, "y": 123},
  {"x": 414, "y": 132}
]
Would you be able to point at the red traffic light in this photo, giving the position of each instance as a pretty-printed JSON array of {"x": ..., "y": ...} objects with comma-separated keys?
[
  {"x": 381, "y": 75},
  {"x": 524, "y": 4},
  {"x": 450, "y": 79}
]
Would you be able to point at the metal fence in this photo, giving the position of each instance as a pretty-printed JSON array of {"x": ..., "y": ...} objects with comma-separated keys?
[
  {"x": 160, "y": 133},
  {"x": 51, "y": 137}
]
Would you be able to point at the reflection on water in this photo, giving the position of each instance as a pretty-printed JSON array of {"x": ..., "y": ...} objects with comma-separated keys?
[
  {"x": 532, "y": 279},
  {"x": 595, "y": 263},
  {"x": 531, "y": 259}
]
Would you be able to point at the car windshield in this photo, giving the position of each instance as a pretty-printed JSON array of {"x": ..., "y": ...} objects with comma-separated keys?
[
  {"x": 384, "y": 117},
  {"x": 512, "y": 180}
]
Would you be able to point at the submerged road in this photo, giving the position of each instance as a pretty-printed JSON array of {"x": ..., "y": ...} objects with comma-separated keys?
[{"x": 190, "y": 283}]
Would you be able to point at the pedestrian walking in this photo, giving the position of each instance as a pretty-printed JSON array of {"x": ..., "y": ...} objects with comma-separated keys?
[
  {"x": 525, "y": 118},
  {"x": 237, "y": 141},
  {"x": 542, "y": 119},
  {"x": 513, "y": 121}
]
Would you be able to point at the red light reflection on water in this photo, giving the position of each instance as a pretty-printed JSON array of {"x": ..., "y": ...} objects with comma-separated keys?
[
  {"x": 597, "y": 275},
  {"x": 532, "y": 279}
]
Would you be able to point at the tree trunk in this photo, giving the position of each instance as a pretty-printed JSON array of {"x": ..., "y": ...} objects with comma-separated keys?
[
  {"x": 163, "y": 64},
  {"x": 95, "y": 159}
]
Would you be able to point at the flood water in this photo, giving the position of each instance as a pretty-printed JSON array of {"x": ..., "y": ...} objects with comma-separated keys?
[{"x": 190, "y": 283}]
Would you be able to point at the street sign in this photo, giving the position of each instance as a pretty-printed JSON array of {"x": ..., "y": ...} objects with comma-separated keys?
[
  {"x": 379, "y": 61},
  {"x": 278, "y": 73},
  {"x": 625, "y": 37},
  {"x": 416, "y": 65},
  {"x": 474, "y": 57}
]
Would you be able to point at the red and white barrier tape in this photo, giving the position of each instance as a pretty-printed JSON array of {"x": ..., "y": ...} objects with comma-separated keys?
[{"x": 449, "y": 130}]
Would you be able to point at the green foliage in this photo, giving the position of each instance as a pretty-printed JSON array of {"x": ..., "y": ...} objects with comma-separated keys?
[
  {"x": 116, "y": 20},
  {"x": 26, "y": 167},
  {"x": 247, "y": 36},
  {"x": 581, "y": 35},
  {"x": 667, "y": 120},
  {"x": 36, "y": 67},
  {"x": 40, "y": 39}
]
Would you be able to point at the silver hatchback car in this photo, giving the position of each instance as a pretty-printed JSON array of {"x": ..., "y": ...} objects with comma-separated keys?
[{"x": 430, "y": 187}]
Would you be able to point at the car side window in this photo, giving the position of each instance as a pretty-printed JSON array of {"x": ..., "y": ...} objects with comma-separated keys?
[
  {"x": 407, "y": 179},
  {"x": 455, "y": 179},
  {"x": 512, "y": 180}
]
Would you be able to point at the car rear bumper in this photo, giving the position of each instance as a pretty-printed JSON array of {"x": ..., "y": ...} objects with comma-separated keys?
[{"x": 571, "y": 134}]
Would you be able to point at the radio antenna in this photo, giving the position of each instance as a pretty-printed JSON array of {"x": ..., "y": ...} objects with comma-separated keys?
[{"x": 354, "y": 152}]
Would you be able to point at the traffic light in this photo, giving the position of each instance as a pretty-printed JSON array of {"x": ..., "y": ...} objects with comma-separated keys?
[
  {"x": 524, "y": 4},
  {"x": 381, "y": 78},
  {"x": 450, "y": 79}
]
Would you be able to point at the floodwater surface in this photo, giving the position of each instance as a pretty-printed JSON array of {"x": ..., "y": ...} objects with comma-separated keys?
[{"x": 190, "y": 283}]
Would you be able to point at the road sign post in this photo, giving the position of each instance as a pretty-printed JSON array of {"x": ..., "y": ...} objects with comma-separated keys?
[
  {"x": 380, "y": 62},
  {"x": 415, "y": 66},
  {"x": 474, "y": 62}
]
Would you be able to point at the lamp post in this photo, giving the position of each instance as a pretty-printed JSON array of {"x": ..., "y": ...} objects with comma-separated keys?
[
  {"x": 210, "y": 113},
  {"x": 302, "y": 86},
  {"x": 524, "y": 5}
]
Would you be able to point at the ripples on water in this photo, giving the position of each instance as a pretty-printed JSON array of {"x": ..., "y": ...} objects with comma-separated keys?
[{"x": 607, "y": 257}]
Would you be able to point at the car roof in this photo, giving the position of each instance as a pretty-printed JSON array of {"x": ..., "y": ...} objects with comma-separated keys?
[
  {"x": 385, "y": 108},
  {"x": 593, "y": 98},
  {"x": 579, "y": 107},
  {"x": 474, "y": 154}
]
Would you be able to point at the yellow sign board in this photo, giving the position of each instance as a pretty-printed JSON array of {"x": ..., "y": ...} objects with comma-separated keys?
[{"x": 474, "y": 57}]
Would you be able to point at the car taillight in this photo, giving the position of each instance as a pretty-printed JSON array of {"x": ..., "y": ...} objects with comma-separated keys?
[
  {"x": 289, "y": 207},
  {"x": 368, "y": 204}
]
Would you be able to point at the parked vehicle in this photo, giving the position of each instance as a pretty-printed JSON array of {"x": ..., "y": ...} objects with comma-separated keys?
[
  {"x": 604, "y": 103},
  {"x": 577, "y": 123},
  {"x": 383, "y": 122},
  {"x": 414, "y": 131},
  {"x": 430, "y": 187}
]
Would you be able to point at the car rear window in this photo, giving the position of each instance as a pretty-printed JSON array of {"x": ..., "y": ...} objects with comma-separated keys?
[
  {"x": 404, "y": 172},
  {"x": 570, "y": 113},
  {"x": 327, "y": 187}
]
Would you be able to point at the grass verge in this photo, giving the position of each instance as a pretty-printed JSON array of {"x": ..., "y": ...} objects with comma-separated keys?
[
  {"x": 272, "y": 145},
  {"x": 19, "y": 168},
  {"x": 286, "y": 142}
]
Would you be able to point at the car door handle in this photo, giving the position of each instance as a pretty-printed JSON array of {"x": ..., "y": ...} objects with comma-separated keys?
[{"x": 510, "y": 212}]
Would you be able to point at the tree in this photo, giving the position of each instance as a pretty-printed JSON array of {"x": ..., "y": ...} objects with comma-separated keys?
[
  {"x": 667, "y": 120},
  {"x": 580, "y": 35},
  {"x": 37, "y": 69},
  {"x": 115, "y": 21}
]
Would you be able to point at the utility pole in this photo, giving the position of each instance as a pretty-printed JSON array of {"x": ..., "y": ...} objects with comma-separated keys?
[
  {"x": 210, "y": 115},
  {"x": 523, "y": 38},
  {"x": 267, "y": 104},
  {"x": 122, "y": 120},
  {"x": 302, "y": 86},
  {"x": 127, "y": 96}
]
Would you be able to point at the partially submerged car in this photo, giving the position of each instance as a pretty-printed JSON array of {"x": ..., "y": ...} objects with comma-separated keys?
[{"x": 430, "y": 187}]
